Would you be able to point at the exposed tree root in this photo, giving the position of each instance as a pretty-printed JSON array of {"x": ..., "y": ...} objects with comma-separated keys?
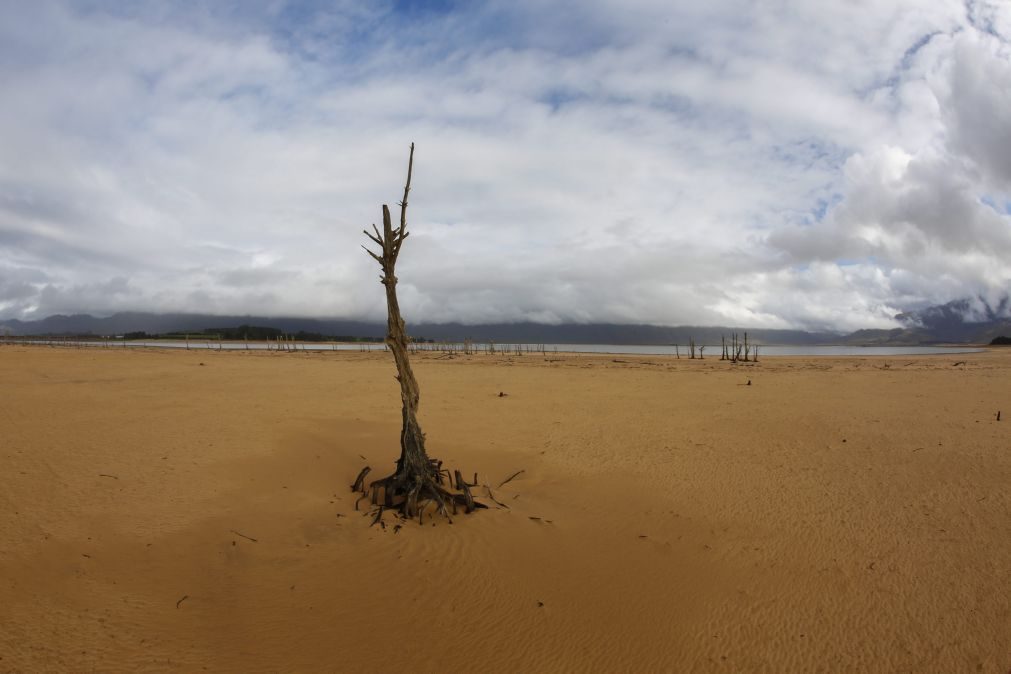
[
  {"x": 360, "y": 480},
  {"x": 409, "y": 493}
]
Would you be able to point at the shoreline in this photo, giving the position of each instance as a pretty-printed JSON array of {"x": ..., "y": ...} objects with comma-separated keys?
[{"x": 461, "y": 348}]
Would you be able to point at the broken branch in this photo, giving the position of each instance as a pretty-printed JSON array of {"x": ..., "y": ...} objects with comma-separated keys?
[{"x": 510, "y": 478}]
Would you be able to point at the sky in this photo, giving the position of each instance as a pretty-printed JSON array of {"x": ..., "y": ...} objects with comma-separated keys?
[{"x": 764, "y": 163}]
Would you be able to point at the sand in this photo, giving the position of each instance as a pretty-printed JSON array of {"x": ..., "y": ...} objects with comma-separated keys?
[{"x": 186, "y": 511}]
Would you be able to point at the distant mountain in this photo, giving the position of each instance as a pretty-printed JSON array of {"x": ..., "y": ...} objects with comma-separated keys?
[
  {"x": 532, "y": 333},
  {"x": 118, "y": 324},
  {"x": 965, "y": 321},
  {"x": 607, "y": 333},
  {"x": 970, "y": 320}
]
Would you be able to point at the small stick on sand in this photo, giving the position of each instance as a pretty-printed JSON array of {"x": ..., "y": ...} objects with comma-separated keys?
[
  {"x": 510, "y": 478},
  {"x": 184, "y": 598},
  {"x": 116, "y": 478},
  {"x": 248, "y": 538},
  {"x": 492, "y": 497}
]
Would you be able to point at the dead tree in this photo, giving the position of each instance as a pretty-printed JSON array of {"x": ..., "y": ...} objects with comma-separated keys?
[
  {"x": 736, "y": 349},
  {"x": 417, "y": 479}
]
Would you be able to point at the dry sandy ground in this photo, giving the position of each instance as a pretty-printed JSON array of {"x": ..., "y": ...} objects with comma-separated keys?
[{"x": 187, "y": 511}]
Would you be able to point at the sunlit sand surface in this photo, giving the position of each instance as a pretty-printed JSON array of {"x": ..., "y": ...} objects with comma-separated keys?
[{"x": 165, "y": 510}]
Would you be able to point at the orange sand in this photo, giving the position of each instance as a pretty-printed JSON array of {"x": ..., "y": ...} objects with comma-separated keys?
[{"x": 837, "y": 515}]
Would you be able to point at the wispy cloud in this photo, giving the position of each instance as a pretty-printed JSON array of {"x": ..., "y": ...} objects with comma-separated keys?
[{"x": 822, "y": 165}]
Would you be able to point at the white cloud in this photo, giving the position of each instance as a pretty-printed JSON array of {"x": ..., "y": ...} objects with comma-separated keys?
[
  {"x": 977, "y": 98},
  {"x": 773, "y": 164}
]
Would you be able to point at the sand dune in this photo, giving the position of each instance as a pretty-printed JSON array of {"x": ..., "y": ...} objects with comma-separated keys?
[{"x": 188, "y": 511}]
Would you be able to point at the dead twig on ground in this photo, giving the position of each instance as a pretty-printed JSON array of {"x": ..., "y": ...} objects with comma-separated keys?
[
  {"x": 492, "y": 497},
  {"x": 248, "y": 538},
  {"x": 510, "y": 478}
]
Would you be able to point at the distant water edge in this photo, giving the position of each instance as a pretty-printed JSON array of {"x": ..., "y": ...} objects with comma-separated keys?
[{"x": 709, "y": 351}]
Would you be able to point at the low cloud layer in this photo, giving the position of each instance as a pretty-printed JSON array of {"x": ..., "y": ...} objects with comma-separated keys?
[{"x": 822, "y": 167}]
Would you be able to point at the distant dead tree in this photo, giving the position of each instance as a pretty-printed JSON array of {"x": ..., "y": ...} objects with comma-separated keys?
[
  {"x": 417, "y": 479},
  {"x": 737, "y": 350}
]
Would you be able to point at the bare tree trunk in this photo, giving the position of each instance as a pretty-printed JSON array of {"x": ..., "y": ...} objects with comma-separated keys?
[{"x": 417, "y": 478}]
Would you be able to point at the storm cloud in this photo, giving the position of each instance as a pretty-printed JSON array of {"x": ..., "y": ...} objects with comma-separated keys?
[{"x": 812, "y": 165}]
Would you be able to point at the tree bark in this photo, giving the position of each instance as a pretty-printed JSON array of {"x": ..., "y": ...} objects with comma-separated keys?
[{"x": 417, "y": 478}]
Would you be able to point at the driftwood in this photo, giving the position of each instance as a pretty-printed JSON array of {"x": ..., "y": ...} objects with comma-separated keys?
[
  {"x": 511, "y": 477},
  {"x": 417, "y": 480},
  {"x": 495, "y": 500},
  {"x": 248, "y": 538}
]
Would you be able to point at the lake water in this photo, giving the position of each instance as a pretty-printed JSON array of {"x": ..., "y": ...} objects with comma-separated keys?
[
  {"x": 772, "y": 350},
  {"x": 711, "y": 351}
]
